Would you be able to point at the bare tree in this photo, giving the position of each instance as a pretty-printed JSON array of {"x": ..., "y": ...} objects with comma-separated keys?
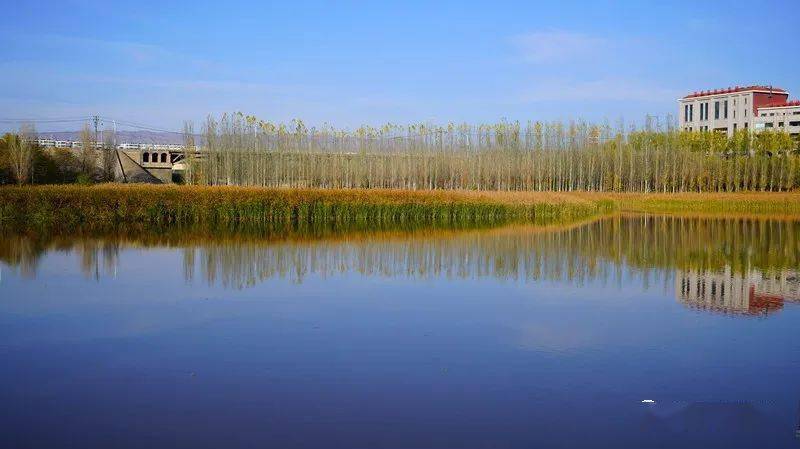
[
  {"x": 189, "y": 173},
  {"x": 87, "y": 157},
  {"x": 20, "y": 153},
  {"x": 109, "y": 156}
]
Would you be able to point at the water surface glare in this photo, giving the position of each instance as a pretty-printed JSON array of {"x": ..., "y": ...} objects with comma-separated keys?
[{"x": 514, "y": 337}]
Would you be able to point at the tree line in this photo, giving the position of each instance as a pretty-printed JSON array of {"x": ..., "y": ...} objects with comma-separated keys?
[
  {"x": 23, "y": 161},
  {"x": 505, "y": 156}
]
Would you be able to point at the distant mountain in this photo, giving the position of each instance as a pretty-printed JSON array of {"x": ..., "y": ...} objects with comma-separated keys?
[{"x": 124, "y": 136}]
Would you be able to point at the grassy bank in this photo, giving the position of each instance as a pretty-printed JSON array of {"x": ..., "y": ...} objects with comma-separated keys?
[
  {"x": 66, "y": 208},
  {"x": 70, "y": 208},
  {"x": 778, "y": 204}
]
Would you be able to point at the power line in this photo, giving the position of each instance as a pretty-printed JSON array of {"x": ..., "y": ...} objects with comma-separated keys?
[
  {"x": 142, "y": 126},
  {"x": 48, "y": 120},
  {"x": 95, "y": 119}
]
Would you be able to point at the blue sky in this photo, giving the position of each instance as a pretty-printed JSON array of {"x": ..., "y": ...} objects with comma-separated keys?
[{"x": 346, "y": 64}]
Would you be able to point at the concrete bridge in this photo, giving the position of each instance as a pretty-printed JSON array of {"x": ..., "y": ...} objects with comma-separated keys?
[
  {"x": 137, "y": 162},
  {"x": 152, "y": 165}
]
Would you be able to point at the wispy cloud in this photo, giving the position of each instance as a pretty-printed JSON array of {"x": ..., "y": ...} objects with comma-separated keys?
[
  {"x": 581, "y": 67},
  {"x": 552, "y": 46},
  {"x": 127, "y": 53},
  {"x": 604, "y": 89},
  {"x": 189, "y": 84}
]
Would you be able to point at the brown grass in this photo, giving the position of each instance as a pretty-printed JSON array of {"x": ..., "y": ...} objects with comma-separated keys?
[{"x": 69, "y": 207}]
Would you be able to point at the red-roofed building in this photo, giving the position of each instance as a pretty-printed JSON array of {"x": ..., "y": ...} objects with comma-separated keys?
[
  {"x": 779, "y": 116},
  {"x": 727, "y": 110}
]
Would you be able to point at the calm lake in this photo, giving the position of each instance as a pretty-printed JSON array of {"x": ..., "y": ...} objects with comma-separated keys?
[{"x": 630, "y": 331}]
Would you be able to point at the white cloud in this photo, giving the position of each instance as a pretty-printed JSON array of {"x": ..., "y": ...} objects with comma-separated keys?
[{"x": 551, "y": 46}]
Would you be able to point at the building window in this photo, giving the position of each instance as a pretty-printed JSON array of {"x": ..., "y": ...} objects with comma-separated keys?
[
  {"x": 691, "y": 112},
  {"x": 686, "y": 113},
  {"x": 768, "y": 125},
  {"x": 716, "y": 110},
  {"x": 745, "y": 125},
  {"x": 794, "y": 123},
  {"x": 763, "y": 114},
  {"x": 163, "y": 157},
  {"x": 726, "y": 108},
  {"x": 780, "y": 124},
  {"x": 145, "y": 157},
  {"x": 734, "y": 127}
]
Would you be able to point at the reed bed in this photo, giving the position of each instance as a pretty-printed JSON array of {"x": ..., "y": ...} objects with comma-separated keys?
[
  {"x": 743, "y": 204},
  {"x": 70, "y": 207}
]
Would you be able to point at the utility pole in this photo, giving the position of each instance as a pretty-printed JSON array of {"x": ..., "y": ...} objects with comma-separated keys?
[{"x": 96, "y": 120}]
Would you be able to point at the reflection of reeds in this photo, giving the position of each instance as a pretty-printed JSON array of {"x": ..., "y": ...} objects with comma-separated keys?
[
  {"x": 603, "y": 249},
  {"x": 652, "y": 247}
]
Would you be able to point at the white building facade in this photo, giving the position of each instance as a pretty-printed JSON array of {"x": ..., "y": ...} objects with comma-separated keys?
[
  {"x": 785, "y": 117},
  {"x": 736, "y": 108}
]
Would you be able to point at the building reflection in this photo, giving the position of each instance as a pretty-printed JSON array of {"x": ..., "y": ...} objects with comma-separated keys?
[{"x": 752, "y": 292}]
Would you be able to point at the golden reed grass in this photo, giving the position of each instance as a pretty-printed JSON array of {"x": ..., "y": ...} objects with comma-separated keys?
[{"x": 68, "y": 207}]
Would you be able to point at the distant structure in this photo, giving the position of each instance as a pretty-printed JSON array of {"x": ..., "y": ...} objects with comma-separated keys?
[
  {"x": 735, "y": 108},
  {"x": 50, "y": 143},
  {"x": 751, "y": 293},
  {"x": 138, "y": 162}
]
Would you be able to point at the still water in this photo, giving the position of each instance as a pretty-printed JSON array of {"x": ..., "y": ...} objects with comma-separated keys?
[{"x": 512, "y": 337}]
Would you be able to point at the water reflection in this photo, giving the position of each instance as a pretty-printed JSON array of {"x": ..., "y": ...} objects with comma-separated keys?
[
  {"x": 753, "y": 292},
  {"x": 726, "y": 264},
  {"x": 483, "y": 330}
]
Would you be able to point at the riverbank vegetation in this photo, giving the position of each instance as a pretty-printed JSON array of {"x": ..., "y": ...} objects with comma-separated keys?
[
  {"x": 109, "y": 205},
  {"x": 775, "y": 204},
  {"x": 70, "y": 208},
  {"x": 22, "y": 161},
  {"x": 505, "y": 156}
]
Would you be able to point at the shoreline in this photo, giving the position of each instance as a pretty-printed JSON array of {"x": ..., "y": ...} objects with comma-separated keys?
[{"x": 67, "y": 208}]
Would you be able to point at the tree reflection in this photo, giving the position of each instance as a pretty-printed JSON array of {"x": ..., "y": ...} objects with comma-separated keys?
[{"x": 751, "y": 259}]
